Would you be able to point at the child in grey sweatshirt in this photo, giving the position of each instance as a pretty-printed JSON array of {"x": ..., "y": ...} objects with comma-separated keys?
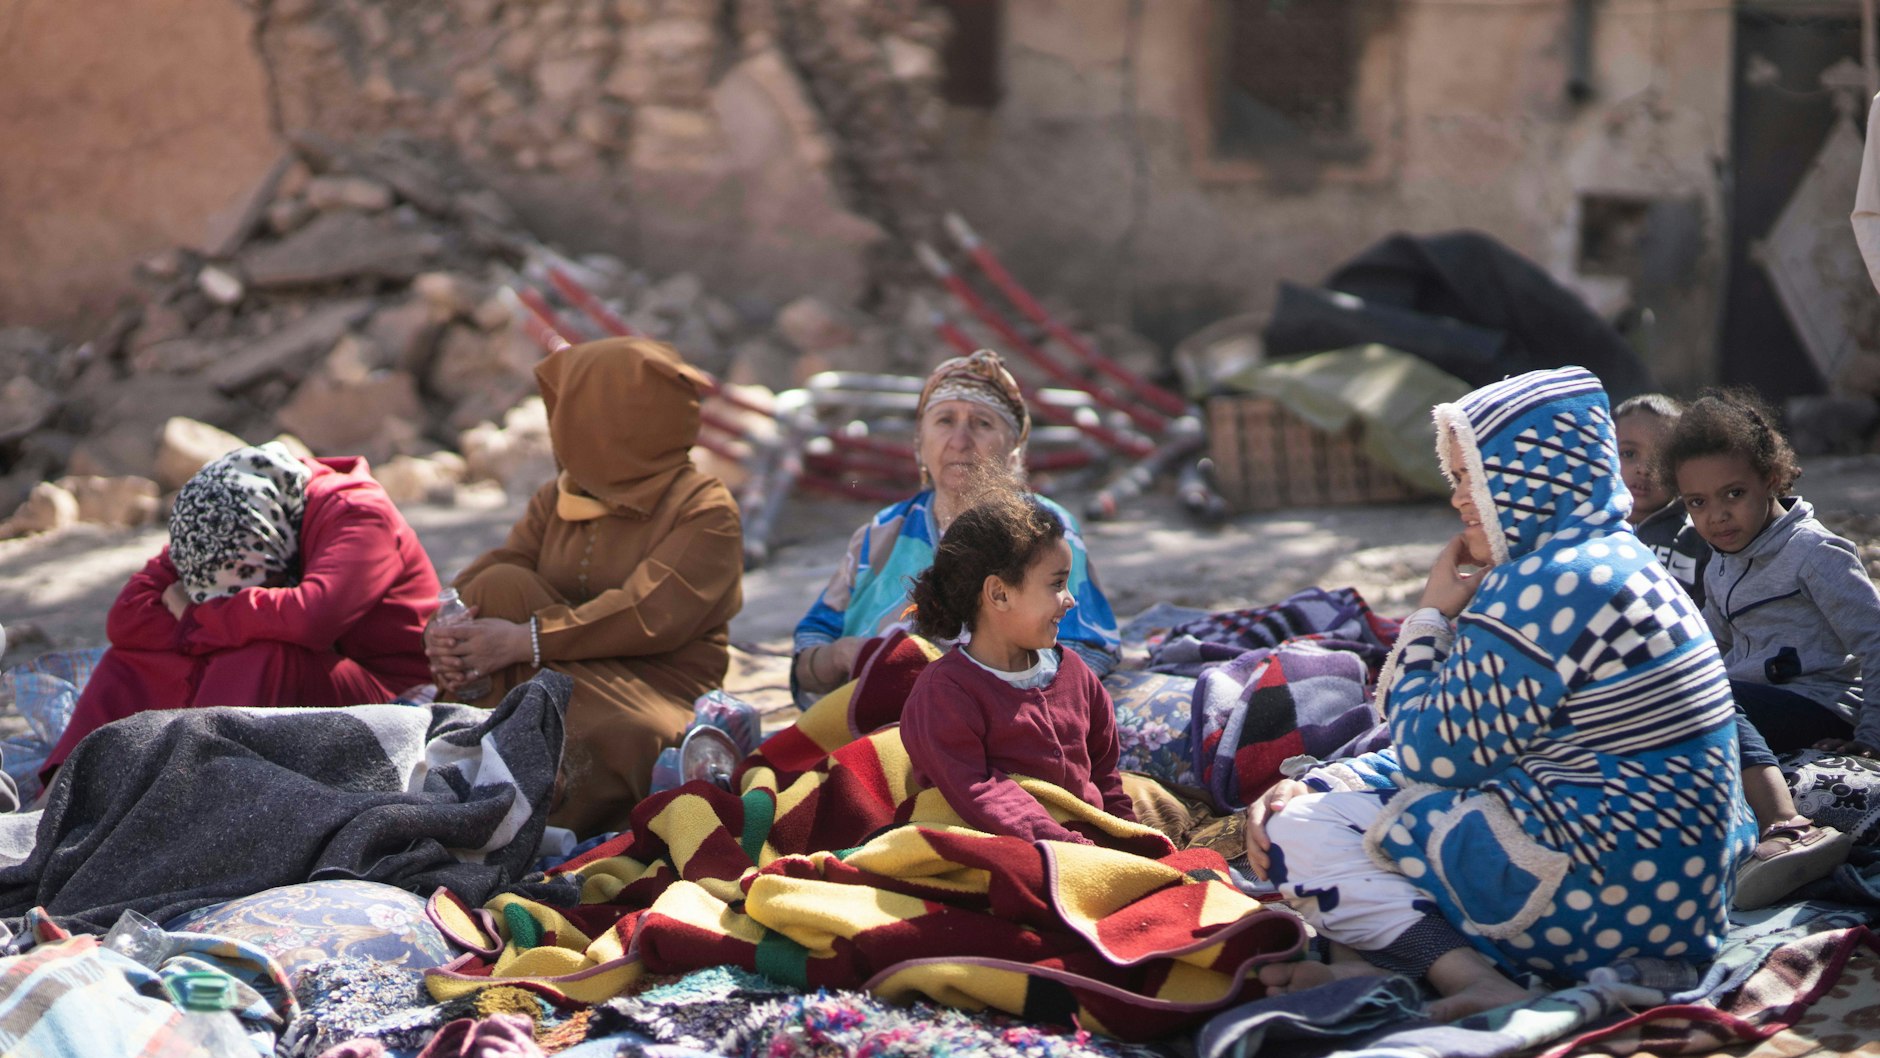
[{"x": 1795, "y": 614}]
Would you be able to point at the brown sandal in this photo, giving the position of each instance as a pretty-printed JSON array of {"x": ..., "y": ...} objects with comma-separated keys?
[{"x": 1788, "y": 855}]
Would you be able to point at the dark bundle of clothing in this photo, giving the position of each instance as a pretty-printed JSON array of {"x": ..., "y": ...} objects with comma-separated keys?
[
  {"x": 166, "y": 812},
  {"x": 1462, "y": 301}
]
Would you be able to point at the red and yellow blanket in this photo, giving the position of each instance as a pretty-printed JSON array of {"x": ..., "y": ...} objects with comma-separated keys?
[{"x": 832, "y": 869}]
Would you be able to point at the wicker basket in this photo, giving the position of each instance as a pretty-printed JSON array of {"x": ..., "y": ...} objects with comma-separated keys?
[{"x": 1266, "y": 458}]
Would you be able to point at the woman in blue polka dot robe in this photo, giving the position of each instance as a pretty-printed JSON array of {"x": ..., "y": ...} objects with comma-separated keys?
[{"x": 1562, "y": 788}]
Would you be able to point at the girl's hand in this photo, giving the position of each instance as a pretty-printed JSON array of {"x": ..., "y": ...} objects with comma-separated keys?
[
  {"x": 176, "y": 599},
  {"x": 1265, "y": 807},
  {"x": 1846, "y": 747},
  {"x": 1449, "y": 589}
]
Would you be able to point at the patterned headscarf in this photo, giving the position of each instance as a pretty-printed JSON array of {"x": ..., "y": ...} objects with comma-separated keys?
[
  {"x": 1541, "y": 456},
  {"x": 982, "y": 379},
  {"x": 237, "y": 522}
]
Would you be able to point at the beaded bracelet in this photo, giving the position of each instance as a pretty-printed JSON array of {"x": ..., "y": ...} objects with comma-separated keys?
[{"x": 535, "y": 643}]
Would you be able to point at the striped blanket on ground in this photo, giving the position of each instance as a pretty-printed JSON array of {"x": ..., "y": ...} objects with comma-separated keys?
[{"x": 837, "y": 872}]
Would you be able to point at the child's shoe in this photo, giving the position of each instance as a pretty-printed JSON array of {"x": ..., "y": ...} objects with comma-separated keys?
[{"x": 1788, "y": 856}]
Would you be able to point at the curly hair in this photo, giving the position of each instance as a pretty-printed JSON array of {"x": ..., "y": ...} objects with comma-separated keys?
[
  {"x": 1731, "y": 422},
  {"x": 1001, "y": 535}
]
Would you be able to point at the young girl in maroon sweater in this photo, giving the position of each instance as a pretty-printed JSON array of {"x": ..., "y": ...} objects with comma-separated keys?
[{"x": 1008, "y": 701}]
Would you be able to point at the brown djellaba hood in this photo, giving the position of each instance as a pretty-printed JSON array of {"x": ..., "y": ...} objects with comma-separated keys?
[{"x": 623, "y": 414}]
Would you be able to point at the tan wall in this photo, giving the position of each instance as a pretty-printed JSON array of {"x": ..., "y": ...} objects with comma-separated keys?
[
  {"x": 1470, "y": 125},
  {"x": 125, "y": 127}
]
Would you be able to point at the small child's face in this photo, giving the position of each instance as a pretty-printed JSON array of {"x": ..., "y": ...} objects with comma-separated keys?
[
  {"x": 1640, "y": 435},
  {"x": 1042, "y": 601},
  {"x": 1728, "y": 503}
]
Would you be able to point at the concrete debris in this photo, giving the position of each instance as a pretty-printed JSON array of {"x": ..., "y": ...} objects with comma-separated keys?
[
  {"x": 362, "y": 311},
  {"x": 25, "y": 406},
  {"x": 47, "y": 508},
  {"x": 125, "y": 502},
  {"x": 339, "y": 246},
  {"x": 220, "y": 285},
  {"x": 290, "y": 347},
  {"x": 421, "y": 479},
  {"x": 186, "y": 446}
]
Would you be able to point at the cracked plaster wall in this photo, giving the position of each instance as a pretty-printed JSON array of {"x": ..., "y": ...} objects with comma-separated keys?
[
  {"x": 1089, "y": 175},
  {"x": 125, "y": 128}
]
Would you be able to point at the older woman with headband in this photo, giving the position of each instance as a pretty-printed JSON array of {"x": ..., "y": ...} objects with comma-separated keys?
[
  {"x": 971, "y": 413},
  {"x": 286, "y": 582}
]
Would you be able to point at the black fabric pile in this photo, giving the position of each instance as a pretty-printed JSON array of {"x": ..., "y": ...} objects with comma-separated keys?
[
  {"x": 1462, "y": 301},
  {"x": 166, "y": 812}
]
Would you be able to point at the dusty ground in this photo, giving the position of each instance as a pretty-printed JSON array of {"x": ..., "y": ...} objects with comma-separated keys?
[{"x": 55, "y": 589}]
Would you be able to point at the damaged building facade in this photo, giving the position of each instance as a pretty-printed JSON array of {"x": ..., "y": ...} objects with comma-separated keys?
[{"x": 1156, "y": 165}]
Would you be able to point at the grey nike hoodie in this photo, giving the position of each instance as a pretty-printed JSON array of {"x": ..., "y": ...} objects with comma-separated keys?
[{"x": 1798, "y": 585}]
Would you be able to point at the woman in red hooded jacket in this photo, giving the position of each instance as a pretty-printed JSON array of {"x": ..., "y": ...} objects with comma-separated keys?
[{"x": 286, "y": 582}]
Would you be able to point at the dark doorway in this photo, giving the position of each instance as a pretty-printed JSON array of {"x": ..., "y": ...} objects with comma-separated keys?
[
  {"x": 971, "y": 56},
  {"x": 1782, "y": 114}
]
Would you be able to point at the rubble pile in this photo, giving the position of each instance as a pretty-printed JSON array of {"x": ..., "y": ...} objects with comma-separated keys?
[
  {"x": 360, "y": 311},
  {"x": 786, "y": 139}
]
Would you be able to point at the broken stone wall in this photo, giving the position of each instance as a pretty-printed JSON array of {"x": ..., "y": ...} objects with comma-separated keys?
[
  {"x": 768, "y": 146},
  {"x": 1093, "y": 172},
  {"x": 771, "y": 147}
]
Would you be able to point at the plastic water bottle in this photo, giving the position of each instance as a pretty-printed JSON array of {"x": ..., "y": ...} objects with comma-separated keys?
[
  {"x": 209, "y": 1027},
  {"x": 452, "y": 611},
  {"x": 137, "y": 938},
  {"x": 732, "y": 715}
]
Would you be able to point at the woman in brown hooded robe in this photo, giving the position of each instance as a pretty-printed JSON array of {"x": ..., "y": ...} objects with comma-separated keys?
[{"x": 624, "y": 574}]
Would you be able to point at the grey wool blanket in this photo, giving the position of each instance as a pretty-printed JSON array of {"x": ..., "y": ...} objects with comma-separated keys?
[{"x": 165, "y": 812}]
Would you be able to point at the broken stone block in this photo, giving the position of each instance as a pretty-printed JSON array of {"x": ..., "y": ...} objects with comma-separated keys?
[
  {"x": 348, "y": 192},
  {"x": 908, "y": 61},
  {"x": 812, "y": 325},
  {"x": 518, "y": 454},
  {"x": 125, "y": 502},
  {"x": 598, "y": 126},
  {"x": 405, "y": 334},
  {"x": 47, "y": 508},
  {"x": 449, "y": 293},
  {"x": 675, "y": 139},
  {"x": 564, "y": 78},
  {"x": 185, "y": 446},
  {"x": 161, "y": 323},
  {"x": 668, "y": 60},
  {"x": 25, "y": 406},
  {"x": 287, "y": 215},
  {"x": 421, "y": 479},
  {"x": 352, "y": 360},
  {"x": 493, "y": 314},
  {"x": 181, "y": 356},
  {"x": 376, "y": 416},
  {"x": 294, "y": 445},
  {"x": 164, "y": 264},
  {"x": 289, "y": 348},
  {"x": 479, "y": 376},
  {"x": 569, "y": 154},
  {"x": 219, "y": 285},
  {"x": 123, "y": 418},
  {"x": 341, "y": 245}
]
